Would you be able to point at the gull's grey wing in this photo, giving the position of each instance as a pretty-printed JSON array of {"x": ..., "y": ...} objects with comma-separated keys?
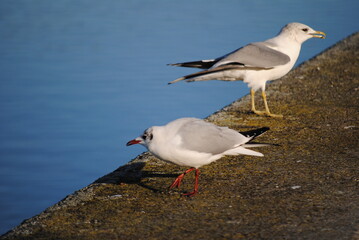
[
  {"x": 255, "y": 55},
  {"x": 213, "y": 70},
  {"x": 202, "y": 136}
]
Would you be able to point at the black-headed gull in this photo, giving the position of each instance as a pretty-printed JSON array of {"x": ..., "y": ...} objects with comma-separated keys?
[
  {"x": 193, "y": 143},
  {"x": 256, "y": 63}
]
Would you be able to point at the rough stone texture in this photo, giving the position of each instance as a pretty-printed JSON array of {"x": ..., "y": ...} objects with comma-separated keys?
[{"x": 306, "y": 188}]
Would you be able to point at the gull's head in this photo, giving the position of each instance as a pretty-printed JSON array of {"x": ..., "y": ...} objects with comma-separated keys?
[
  {"x": 145, "y": 139},
  {"x": 301, "y": 32}
]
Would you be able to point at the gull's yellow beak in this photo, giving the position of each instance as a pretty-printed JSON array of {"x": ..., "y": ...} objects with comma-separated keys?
[{"x": 318, "y": 34}]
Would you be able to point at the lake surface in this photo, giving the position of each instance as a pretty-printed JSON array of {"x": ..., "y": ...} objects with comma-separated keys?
[{"x": 81, "y": 78}]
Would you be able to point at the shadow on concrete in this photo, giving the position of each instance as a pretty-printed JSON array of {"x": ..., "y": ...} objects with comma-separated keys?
[{"x": 133, "y": 174}]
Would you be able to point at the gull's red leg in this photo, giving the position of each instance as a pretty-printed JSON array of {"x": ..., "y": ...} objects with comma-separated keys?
[
  {"x": 177, "y": 182},
  {"x": 195, "y": 190}
]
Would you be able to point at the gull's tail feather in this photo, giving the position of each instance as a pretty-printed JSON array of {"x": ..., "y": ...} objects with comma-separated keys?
[
  {"x": 243, "y": 151},
  {"x": 204, "y": 64},
  {"x": 253, "y": 145}
]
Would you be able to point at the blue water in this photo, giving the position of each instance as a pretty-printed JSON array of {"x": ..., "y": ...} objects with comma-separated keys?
[{"x": 81, "y": 78}]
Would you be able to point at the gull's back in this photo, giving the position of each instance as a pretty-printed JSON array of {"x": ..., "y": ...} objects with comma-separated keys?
[{"x": 200, "y": 136}]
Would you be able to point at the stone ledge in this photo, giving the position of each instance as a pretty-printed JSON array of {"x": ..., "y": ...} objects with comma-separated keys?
[{"x": 306, "y": 188}]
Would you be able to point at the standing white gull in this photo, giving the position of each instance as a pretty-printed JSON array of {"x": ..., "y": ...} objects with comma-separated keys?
[
  {"x": 256, "y": 63},
  {"x": 193, "y": 143}
]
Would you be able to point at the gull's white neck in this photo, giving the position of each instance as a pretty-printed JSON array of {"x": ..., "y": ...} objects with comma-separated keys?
[{"x": 282, "y": 41}]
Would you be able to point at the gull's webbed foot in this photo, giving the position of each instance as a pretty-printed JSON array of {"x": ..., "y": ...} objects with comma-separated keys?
[
  {"x": 274, "y": 115},
  {"x": 268, "y": 114}
]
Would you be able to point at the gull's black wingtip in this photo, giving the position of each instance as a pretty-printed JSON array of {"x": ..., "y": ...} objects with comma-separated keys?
[
  {"x": 264, "y": 129},
  {"x": 255, "y": 133}
]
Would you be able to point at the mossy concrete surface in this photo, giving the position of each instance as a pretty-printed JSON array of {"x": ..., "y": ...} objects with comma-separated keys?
[{"x": 305, "y": 188}]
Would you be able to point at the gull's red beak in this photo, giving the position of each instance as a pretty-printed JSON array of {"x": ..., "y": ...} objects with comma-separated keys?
[{"x": 134, "y": 141}]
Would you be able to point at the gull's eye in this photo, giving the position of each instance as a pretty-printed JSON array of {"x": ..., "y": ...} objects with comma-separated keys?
[
  {"x": 305, "y": 29},
  {"x": 147, "y": 136}
]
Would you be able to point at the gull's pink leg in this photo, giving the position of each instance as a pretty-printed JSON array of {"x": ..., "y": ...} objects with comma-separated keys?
[
  {"x": 195, "y": 190},
  {"x": 177, "y": 182}
]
